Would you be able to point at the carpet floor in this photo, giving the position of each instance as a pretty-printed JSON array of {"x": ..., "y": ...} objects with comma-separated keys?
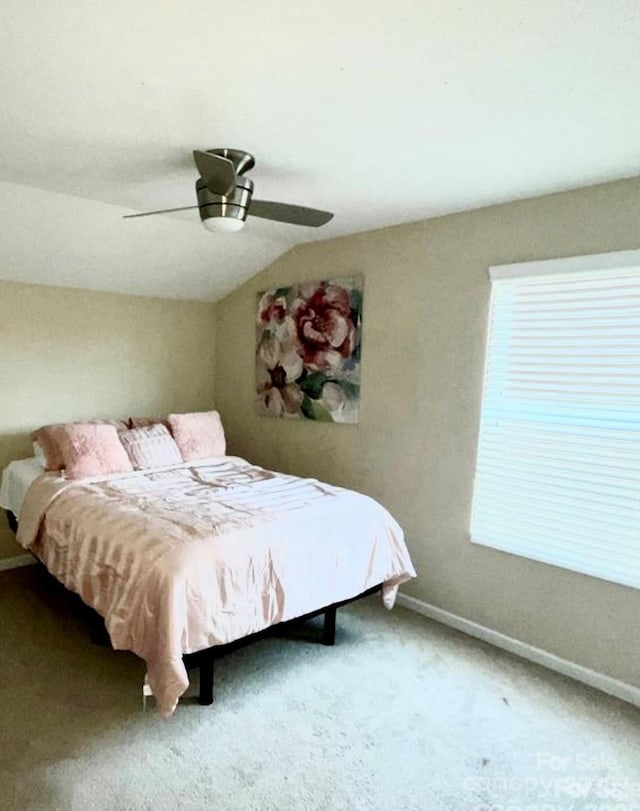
[{"x": 402, "y": 714}]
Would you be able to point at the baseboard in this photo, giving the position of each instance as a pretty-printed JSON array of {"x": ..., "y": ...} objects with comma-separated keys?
[
  {"x": 613, "y": 687},
  {"x": 15, "y": 563}
]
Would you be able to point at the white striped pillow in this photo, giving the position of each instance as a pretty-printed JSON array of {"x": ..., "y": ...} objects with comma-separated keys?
[{"x": 152, "y": 446}]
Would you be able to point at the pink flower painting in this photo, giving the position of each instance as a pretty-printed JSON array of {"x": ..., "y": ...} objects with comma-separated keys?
[{"x": 308, "y": 351}]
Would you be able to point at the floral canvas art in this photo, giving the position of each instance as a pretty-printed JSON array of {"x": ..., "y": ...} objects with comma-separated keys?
[{"x": 308, "y": 351}]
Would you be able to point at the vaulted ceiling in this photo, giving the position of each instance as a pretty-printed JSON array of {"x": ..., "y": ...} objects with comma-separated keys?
[{"x": 383, "y": 112}]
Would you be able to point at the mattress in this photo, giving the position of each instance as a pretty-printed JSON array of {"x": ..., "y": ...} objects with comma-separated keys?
[{"x": 17, "y": 477}]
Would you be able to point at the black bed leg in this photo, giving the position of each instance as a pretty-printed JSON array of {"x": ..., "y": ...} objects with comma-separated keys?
[
  {"x": 329, "y": 628},
  {"x": 206, "y": 678},
  {"x": 13, "y": 522}
]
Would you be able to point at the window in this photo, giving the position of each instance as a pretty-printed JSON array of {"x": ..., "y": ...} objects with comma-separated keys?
[{"x": 558, "y": 470}]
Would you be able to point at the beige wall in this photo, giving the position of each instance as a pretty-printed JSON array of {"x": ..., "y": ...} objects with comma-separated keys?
[
  {"x": 425, "y": 314},
  {"x": 72, "y": 354}
]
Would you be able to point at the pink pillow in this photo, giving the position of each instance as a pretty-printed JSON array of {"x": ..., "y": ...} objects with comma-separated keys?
[
  {"x": 47, "y": 438},
  {"x": 91, "y": 450},
  {"x": 198, "y": 435},
  {"x": 150, "y": 447}
]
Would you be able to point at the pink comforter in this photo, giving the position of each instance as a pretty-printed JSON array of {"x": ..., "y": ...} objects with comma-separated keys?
[{"x": 179, "y": 559}]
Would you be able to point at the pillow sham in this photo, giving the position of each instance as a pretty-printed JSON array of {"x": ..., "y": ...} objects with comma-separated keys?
[
  {"x": 45, "y": 438},
  {"x": 152, "y": 446},
  {"x": 198, "y": 435},
  {"x": 48, "y": 439},
  {"x": 90, "y": 449}
]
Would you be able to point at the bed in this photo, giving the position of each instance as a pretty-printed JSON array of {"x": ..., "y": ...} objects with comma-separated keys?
[{"x": 184, "y": 560}]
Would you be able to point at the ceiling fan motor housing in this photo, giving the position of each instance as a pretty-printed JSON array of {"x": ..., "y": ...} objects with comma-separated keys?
[{"x": 235, "y": 206}]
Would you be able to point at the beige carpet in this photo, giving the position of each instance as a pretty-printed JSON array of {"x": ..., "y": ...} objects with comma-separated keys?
[{"x": 401, "y": 714}]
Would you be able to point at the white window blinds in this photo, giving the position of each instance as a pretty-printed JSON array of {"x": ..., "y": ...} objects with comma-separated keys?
[{"x": 558, "y": 470}]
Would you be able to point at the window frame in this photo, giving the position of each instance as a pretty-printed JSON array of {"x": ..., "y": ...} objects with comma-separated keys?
[{"x": 558, "y": 268}]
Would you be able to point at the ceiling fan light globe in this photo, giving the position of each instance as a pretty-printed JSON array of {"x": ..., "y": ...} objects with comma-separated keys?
[{"x": 223, "y": 225}]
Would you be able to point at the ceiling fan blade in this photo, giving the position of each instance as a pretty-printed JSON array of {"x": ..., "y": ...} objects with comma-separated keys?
[
  {"x": 162, "y": 211},
  {"x": 283, "y": 212},
  {"x": 218, "y": 173}
]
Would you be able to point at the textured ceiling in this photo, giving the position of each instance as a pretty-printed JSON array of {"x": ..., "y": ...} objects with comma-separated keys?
[{"x": 383, "y": 112}]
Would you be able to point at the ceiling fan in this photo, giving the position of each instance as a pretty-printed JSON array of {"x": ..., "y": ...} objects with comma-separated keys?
[{"x": 225, "y": 195}]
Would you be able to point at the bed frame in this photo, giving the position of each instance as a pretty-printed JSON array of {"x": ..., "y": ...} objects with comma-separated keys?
[
  {"x": 204, "y": 660},
  {"x": 292, "y": 629}
]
